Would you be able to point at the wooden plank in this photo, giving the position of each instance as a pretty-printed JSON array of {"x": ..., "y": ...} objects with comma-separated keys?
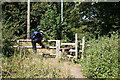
[
  {"x": 25, "y": 40},
  {"x": 50, "y": 47},
  {"x": 21, "y": 40},
  {"x": 72, "y": 50},
  {"x": 66, "y": 48},
  {"x": 53, "y": 54},
  {"x": 67, "y": 43},
  {"x": 29, "y": 40},
  {"x": 50, "y": 40},
  {"x": 69, "y": 56}
]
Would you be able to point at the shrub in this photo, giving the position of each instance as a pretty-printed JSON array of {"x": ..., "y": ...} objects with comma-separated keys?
[{"x": 101, "y": 58}]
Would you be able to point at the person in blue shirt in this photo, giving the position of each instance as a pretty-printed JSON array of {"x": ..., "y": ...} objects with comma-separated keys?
[{"x": 37, "y": 37}]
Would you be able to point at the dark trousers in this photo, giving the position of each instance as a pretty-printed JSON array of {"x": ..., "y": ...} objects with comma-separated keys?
[{"x": 34, "y": 44}]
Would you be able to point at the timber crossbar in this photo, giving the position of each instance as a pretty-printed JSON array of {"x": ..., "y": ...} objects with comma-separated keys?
[
  {"x": 57, "y": 47},
  {"x": 29, "y": 40},
  {"x": 50, "y": 47},
  {"x": 67, "y": 43}
]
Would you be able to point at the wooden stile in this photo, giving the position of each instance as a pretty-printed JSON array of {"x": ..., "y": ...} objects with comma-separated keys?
[{"x": 57, "y": 47}]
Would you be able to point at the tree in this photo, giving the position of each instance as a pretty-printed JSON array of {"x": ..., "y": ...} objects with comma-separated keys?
[
  {"x": 92, "y": 19},
  {"x": 50, "y": 23},
  {"x": 14, "y": 24}
]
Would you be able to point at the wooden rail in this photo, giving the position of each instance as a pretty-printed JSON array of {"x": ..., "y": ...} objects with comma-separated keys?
[
  {"x": 57, "y": 47},
  {"x": 67, "y": 43},
  {"x": 29, "y": 40},
  {"x": 50, "y": 47}
]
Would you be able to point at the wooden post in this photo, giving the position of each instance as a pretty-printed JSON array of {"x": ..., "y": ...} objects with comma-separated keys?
[
  {"x": 18, "y": 44},
  {"x": 28, "y": 20},
  {"x": 57, "y": 48},
  {"x": 83, "y": 45},
  {"x": 76, "y": 46},
  {"x": 18, "y": 48}
]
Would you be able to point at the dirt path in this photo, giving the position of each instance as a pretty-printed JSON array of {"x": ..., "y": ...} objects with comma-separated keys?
[{"x": 75, "y": 70}]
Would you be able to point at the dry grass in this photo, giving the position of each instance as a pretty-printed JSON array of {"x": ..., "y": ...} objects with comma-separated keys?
[{"x": 33, "y": 66}]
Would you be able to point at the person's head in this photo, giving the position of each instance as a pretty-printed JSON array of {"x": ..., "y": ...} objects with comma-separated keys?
[{"x": 41, "y": 31}]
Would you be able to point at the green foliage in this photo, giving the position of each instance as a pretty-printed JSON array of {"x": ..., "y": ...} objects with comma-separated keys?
[
  {"x": 15, "y": 16},
  {"x": 95, "y": 19},
  {"x": 6, "y": 44},
  {"x": 50, "y": 23},
  {"x": 92, "y": 19},
  {"x": 101, "y": 58},
  {"x": 12, "y": 25},
  {"x": 82, "y": 32},
  {"x": 37, "y": 9}
]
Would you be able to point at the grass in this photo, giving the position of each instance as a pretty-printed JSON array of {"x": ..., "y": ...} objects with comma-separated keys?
[
  {"x": 33, "y": 66},
  {"x": 50, "y": 51}
]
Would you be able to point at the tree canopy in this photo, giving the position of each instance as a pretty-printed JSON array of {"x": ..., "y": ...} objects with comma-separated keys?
[{"x": 86, "y": 18}]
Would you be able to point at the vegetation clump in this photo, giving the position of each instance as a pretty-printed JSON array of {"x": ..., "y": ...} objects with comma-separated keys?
[{"x": 101, "y": 58}]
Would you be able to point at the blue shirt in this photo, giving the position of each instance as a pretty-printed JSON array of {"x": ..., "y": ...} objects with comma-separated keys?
[{"x": 36, "y": 35}]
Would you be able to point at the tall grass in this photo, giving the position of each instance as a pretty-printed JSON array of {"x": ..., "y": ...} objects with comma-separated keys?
[
  {"x": 101, "y": 58},
  {"x": 32, "y": 66}
]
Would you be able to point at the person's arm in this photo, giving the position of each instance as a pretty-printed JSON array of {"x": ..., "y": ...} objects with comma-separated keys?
[
  {"x": 44, "y": 37},
  {"x": 33, "y": 36}
]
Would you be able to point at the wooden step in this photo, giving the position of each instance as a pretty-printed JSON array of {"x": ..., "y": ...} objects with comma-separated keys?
[
  {"x": 70, "y": 56},
  {"x": 72, "y": 50},
  {"x": 67, "y": 43},
  {"x": 53, "y": 54}
]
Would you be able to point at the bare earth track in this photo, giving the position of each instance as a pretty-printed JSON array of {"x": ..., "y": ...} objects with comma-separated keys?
[{"x": 74, "y": 69}]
